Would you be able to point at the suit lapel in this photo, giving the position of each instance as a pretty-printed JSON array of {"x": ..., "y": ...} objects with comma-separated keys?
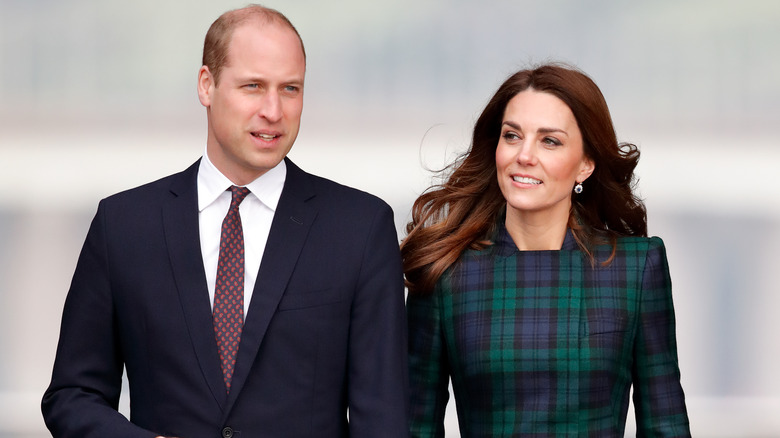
[
  {"x": 180, "y": 222},
  {"x": 291, "y": 224}
]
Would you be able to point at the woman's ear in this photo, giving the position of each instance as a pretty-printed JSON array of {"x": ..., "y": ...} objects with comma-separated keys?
[{"x": 586, "y": 169}]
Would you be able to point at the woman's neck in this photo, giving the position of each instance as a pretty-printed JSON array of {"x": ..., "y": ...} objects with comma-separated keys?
[{"x": 533, "y": 231}]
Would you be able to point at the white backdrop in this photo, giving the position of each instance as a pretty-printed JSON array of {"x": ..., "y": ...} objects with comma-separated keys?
[{"x": 99, "y": 96}]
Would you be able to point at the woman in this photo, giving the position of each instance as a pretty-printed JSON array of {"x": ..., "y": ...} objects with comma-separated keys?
[{"x": 532, "y": 284}]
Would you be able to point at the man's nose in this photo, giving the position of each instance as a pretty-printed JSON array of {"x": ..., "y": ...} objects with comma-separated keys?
[{"x": 271, "y": 107}]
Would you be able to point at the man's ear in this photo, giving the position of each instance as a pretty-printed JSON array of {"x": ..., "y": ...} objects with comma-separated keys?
[{"x": 205, "y": 86}]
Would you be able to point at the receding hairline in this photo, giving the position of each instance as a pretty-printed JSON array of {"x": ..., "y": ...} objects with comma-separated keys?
[
  {"x": 220, "y": 33},
  {"x": 265, "y": 15}
]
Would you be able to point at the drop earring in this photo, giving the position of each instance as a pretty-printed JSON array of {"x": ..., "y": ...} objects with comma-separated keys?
[{"x": 578, "y": 188}]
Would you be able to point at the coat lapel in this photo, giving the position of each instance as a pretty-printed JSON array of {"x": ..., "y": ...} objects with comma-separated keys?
[
  {"x": 180, "y": 222},
  {"x": 291, "y": 224}
]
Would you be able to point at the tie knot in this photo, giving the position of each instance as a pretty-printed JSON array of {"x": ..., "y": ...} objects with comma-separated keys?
[{"x": 238, "y": 193}]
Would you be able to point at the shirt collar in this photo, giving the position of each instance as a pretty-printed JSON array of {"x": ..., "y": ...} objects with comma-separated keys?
[{"x": 212, "y": 183}]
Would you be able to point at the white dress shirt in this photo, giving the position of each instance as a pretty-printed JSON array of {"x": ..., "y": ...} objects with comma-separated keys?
[{"x": 257, "y": 213}]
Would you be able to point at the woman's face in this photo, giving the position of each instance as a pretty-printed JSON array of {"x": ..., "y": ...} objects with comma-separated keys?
[{"x": 540, "y": 157}]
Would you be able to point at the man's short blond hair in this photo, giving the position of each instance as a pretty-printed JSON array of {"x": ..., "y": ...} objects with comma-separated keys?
[{"x": 215, "y": 48}]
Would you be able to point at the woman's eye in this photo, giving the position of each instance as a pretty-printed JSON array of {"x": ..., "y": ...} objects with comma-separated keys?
[
  {"x": 510, "y": 136},
  {"x": 552, "y": 141}
]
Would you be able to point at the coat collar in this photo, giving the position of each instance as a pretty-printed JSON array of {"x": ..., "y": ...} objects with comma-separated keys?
[{"x": 505, "y": 246}]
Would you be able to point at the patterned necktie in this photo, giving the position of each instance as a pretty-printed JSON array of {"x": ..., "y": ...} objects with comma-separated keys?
[{"x": 229, "y": 289}]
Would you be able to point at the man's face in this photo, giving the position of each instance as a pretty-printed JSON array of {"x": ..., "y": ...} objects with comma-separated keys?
[{"x": 254, "y": 113}]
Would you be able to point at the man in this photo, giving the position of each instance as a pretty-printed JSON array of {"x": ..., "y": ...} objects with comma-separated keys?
[{"x": 267, "y": 312}]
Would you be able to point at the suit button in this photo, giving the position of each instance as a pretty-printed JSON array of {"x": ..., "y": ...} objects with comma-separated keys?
[{"x": 227, "y": 432}]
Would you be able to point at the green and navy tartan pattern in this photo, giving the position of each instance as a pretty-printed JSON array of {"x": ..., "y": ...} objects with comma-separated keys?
[{"x": 540, "y": 343}]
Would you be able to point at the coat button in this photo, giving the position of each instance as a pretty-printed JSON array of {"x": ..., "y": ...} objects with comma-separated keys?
[{"x": 227, "y": 432}]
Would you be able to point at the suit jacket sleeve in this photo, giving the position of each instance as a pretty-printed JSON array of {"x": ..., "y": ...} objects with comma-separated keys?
[
  {"x": 83, "y": 396},
  {"x": 658, "y": 396},
  {"x": 377, "y": 380}
]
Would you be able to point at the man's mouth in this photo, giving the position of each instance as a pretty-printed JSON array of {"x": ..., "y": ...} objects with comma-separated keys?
[{"x": 266, "y": 137}]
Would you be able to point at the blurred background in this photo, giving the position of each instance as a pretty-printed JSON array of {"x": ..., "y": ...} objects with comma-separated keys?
[{"x": 97, "y": 96}]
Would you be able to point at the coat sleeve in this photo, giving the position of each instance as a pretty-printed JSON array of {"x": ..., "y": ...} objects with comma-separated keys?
[
  {"x": 428, "y": 366},
  {"x": 377, "y": 373},
  {"x": 659, "y": 401},
  {"x": 83, "y": 396}
]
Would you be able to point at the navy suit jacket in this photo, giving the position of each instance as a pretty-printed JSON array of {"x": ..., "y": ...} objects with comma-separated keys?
[{"x": 323, "y": 350}]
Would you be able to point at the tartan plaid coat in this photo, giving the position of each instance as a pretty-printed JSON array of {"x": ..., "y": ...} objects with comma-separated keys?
[{"x": 540, "y": 343}]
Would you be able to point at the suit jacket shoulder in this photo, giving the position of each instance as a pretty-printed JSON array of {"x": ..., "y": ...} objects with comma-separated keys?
[
  {"x": 158, "y": 190},
  {"x": 334, "y": 193}
]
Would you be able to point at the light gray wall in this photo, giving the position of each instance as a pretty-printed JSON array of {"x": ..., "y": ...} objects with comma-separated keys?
[{"x": 99, "y": 96}]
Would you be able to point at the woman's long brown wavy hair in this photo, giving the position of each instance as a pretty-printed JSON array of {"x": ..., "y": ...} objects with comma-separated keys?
[{"x": 462, "y": 212}]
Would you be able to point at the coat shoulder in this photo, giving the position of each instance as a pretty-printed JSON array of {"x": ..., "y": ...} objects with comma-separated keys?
[{"x": 642, "y": 245}]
